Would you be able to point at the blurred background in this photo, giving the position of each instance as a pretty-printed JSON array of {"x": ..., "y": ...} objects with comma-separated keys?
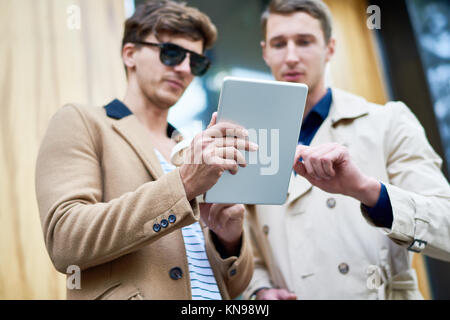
[{"x": 57, "y": 51}]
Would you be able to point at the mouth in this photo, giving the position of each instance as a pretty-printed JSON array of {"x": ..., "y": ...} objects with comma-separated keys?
[
  {"x": 176, "y": 84},
  {"x": 292, "y": 76}
]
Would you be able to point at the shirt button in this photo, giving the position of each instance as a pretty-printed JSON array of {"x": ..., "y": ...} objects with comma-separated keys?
[
  {"x": 266, "y": 229},
  {"x": 172, "y": 218},
  {"x": 331, "y": 203},
  {"x": 343, "y": 268},
  {"x": 176, "y": 273},
  {"x": 156, "y": 227},
  {"x": 164, "y": 223}
]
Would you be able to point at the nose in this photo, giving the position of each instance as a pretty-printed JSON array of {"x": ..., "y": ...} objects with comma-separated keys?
[
  {"x": 291, "y": 54},
  {"x": 184, "y": 66}
]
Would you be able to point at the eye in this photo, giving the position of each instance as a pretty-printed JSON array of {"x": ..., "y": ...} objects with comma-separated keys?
[
  {"x": 278, "y": 44},
  {"x": 303, "y": 43}
]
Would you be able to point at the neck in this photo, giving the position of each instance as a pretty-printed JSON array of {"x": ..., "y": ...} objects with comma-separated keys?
[
  {"x": 147, "y": 112},
  {"x": 314, "y": 96}
]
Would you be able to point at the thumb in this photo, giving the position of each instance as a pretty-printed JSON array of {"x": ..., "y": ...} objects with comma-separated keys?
[
  {"x": 299, "y": 167},
  {"x": 205, "y": 207},
  {"x": 286, "y": 295},
  {"x": 299, "y": 151},
  {"x": 213, "y": 120},
  {"x": 298, "y": 156}
]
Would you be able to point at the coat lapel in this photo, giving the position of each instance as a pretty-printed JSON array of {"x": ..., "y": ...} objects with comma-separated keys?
[
  {"x": 346, "y": 106},
  {"x": 297, "y": 187},
  {"x": 133, "y": 132}
]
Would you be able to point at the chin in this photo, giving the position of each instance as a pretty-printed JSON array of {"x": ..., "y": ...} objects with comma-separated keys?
[{"x": 168, "y": 100}]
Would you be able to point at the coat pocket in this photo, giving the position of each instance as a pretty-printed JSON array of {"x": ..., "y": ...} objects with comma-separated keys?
[{"x": 119, "y": 291}]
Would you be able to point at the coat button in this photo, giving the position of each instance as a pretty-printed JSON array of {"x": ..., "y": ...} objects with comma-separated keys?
[
  {"x": 176, "y": 273},
  {"x": 164, "y": 223},
  {"x": 156, "y": 227},
  {"x": 266, "y": 229},
  {"x": 232, "y": 272},
  {"x": 343, "y": 268},
  {"x": 331, "y": 203},
  {"x": 172, "y": 218}
]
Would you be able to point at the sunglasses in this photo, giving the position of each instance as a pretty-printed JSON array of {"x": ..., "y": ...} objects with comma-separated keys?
[{"x": 172, "y": 55}]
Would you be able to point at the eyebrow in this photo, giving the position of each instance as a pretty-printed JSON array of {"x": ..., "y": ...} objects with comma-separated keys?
[{"x": 301, "y": 35}]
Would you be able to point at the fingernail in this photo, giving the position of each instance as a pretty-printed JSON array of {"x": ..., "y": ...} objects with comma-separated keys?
[{"x": 253, "y": 146}]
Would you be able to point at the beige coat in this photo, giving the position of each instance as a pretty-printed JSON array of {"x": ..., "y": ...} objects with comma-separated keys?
[
  {"x": 320, "y": 246},
  {"x": 100, "y": 190}
]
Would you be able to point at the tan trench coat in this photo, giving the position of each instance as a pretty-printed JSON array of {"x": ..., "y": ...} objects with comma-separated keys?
[
  {"x": 320, "y": 246},
  {"x": 100, "y": 190}
]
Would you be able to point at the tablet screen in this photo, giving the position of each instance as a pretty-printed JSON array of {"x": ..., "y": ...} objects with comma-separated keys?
[{"x": 272, "y": 112}]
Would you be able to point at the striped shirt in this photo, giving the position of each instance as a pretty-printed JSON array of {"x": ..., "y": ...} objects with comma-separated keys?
[{"x": 203, "y": 282}]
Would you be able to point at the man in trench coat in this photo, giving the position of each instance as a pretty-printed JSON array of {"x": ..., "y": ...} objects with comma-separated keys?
[{"x": 367, "y": 189}]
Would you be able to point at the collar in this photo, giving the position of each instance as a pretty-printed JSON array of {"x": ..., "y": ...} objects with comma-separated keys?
[
  {"x": 116, "y": 109},
  {"x": 347, "y": 106},
  {"x": 322, "y": 108}
]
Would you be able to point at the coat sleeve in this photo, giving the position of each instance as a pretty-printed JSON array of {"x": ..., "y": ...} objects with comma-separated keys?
[
  {"x": 79, "y": 229},
  {"x": 418, "y": 191},
  {"x": 234, "y": 272},
  {"x": 261, "y": 275}
]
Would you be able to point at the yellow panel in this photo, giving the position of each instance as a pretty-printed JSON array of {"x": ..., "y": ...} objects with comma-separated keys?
[
  {"x": 45, "y": 64},
  {"x": 419, "y": 265},
  {"x": 355, "y": 66}
]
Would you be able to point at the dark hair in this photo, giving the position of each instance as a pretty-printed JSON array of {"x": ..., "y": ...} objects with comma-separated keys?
[
  {"x": 315, "y": 8},
  {"x": 171, "y": 17}
]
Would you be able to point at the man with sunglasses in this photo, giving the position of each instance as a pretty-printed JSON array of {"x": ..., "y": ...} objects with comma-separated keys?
[{"x": 112, "y": 203}]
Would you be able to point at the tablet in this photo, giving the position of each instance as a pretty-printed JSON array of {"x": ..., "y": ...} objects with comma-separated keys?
[{"x": 272, "y": 112}]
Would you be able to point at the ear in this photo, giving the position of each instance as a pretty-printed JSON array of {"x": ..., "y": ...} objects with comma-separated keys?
[
  {"x": 331, "y": 47},
  {"x": 263, "y": 47},
  {"x": 128, "y": 58}
]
